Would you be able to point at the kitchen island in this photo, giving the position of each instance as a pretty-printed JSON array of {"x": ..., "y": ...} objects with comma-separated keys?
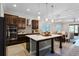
[{"x": 39, "y": 38}]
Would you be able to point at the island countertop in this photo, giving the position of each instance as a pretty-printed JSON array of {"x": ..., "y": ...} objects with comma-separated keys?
[{"x": 41, "y": 37}]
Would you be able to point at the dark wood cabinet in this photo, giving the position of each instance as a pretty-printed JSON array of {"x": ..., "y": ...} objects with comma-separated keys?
[
  {"x": 10, "y": 19},
  {"x": 13, "y": 24},
  {"x": 16, "y": 20},
  {"x": 21, "y": 23},
  {"x": 35, "y": 24},
  {"x": 21, "y": 39}
]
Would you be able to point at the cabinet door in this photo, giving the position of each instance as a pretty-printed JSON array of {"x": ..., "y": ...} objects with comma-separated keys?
[
  {"x": 18, "y": 23},
  {"x": 13, "y": 19},
  {"x": 7, "y": 18},
  {"x": 37, "y": 24},
  {"x": 10, "y": 19},
  {"x": 21, "y": 23},
  {"x": 34, "y": 24}
]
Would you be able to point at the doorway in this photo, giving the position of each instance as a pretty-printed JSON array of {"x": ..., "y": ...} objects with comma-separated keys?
[{"x": 74, "y": 28}]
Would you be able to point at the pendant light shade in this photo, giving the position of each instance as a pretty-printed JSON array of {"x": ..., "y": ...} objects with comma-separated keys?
[
  {"x": 38, "y": 17},
  {"x": 46, "y": 19},
  {"x": 52, "y": 20}
]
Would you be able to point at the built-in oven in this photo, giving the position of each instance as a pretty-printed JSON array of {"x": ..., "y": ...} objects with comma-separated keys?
[{"x": 12, "y": 32}]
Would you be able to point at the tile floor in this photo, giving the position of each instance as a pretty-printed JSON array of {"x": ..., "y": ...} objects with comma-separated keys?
[
  {"x": 17, "y": 50},
  {"x": 20, "y": 49}
]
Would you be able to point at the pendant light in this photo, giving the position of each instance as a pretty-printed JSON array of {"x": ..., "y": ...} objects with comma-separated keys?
[
  {"x": 52, "y": 20},
  {"x": 46, "y": 19},
  {"x": 38, "y": 17}
]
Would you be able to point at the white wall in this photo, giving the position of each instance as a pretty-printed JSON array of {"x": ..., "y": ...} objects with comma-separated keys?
[
  {"x": 1, "y": 10},
  {"x": 66, "y": 25}
]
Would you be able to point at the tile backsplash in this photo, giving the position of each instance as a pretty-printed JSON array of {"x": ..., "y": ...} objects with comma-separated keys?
[{"x": 27, "y": 30}]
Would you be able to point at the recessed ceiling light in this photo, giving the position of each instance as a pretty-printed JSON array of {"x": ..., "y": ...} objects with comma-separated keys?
[
  {"x": 14, "y": 5},
  {"x": 39, "y": 13},
  {"x": 28, "y": 9}
]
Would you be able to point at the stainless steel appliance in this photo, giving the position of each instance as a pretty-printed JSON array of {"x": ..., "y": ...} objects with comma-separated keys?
[
  {"x": 12, "y": 32},
  {"x": 2, "y": 37}
]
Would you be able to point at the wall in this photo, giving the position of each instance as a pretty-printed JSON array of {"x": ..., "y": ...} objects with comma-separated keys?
[
  {"x": 66, "y": 25},
  {"x": 1, "y": 10}
]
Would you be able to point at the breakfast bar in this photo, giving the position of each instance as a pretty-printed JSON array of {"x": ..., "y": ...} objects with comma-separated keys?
[{"x": 39, "y": 38}]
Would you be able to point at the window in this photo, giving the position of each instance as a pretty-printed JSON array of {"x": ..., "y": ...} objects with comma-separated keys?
[
  {"x": 76, "y": 28},
  {"x": 71, "y": 28},
  {"x": 58, "y": 27},
  {"x": 45, "y": 27}
]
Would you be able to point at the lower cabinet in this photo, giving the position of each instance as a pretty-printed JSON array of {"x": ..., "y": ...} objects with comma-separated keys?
[{"x": 21, "y": 39}]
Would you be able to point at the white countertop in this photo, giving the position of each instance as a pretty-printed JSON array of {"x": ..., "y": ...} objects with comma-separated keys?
[
  {"x": 21, "y": 33},
  {"x": 40, "y": 37}
]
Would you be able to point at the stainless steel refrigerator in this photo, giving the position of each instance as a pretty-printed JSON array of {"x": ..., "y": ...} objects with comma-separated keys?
[{"x": 2, "y": 37}]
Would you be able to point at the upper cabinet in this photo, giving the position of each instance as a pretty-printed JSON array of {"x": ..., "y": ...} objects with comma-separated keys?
[
  {"x": 15, "y": 20},
  {"x": 21, "y": 23},
  {"x": 35, "y": 24},
  {"x": 10, "y": 19}
]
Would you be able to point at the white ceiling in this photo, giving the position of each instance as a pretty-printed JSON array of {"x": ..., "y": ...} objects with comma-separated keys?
[{"x": 59, "y": 10}]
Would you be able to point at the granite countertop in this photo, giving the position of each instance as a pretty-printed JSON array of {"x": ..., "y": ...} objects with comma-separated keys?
[
  {"x": 21, "y": 33},
  {"x": 40, "y": 37},
  {"x": 24, "y": 33}
]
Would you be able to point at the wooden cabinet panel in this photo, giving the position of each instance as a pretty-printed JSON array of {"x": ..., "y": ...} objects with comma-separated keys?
[
  {"x": 10, "y": 19},
  {"x": 7, "y": 18},
  {"x": 35, "y": 24},
  {"x": 21, "y": 23}
]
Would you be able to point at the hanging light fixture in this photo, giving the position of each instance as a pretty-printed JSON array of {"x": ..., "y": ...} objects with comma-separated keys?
[
  {"x": 38, "y": 17},
  {"x": 46, "y": 19},
  {"x": 52, "y": 20}
]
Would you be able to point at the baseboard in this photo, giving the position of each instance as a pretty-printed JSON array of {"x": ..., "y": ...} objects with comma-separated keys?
[{"x": 33, "y": 52}]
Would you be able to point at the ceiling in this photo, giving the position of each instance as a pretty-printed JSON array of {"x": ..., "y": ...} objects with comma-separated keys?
[{"x": 59, "y": 10}]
